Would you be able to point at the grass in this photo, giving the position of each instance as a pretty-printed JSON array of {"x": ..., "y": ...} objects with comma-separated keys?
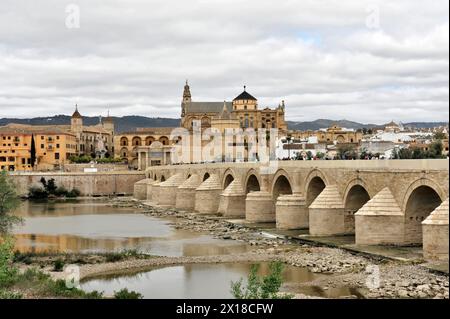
[
  {"x": 36, "y": 283},
  {"x": 125, "y": 294}
]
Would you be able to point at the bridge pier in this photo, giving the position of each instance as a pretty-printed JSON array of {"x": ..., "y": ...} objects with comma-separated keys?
[
  {"x": 140, "y": 189},
  {"x": 168, "y": 190},
  {"x": 185, "y": 199},
  {"x": 326, "y": 213},
  {"x": 435, "y": 234},
  {"x": 380, "y": 221},
  {"x": 155, "y": 192},
  {"x": 149, "y": 185},
  {"x": 207, "y": 195},
  {"x": 232, "y": 200},
  {"x": 259, "y": 207},
  {"x": 291, "y": 212}
]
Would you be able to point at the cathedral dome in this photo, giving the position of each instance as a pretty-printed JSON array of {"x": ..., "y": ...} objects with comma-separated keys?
[{"x": 244, "y": 96}]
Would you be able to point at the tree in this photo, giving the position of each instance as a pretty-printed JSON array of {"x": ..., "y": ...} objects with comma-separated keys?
[
  {"x": 9, "y": 201},
  {"x": 435, "y": 150},
  {"x": 346, "y": 151},
  {"x": 33, "y": 151},
  {"x": 405, "y": 153},
  {"x": 440, "y": 136},
  {"x": 266, "y": 287}
]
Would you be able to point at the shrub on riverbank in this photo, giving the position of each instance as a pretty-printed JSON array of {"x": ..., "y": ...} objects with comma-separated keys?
[
  {"x": 266, "y": 287},
  {"x": 58, "y": 265},
  {"x": 125, "y": 294},
  {"x": 50, "y": 189},
  {"x": 8, "y": 271},
  {"x": 9, "y": 201}
]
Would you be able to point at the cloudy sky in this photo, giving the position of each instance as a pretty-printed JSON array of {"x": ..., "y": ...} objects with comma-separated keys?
[{"x": 368, "y": 61}]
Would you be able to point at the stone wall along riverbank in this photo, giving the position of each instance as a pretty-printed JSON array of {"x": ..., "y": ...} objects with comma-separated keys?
[{"x": 89, "y": 184}]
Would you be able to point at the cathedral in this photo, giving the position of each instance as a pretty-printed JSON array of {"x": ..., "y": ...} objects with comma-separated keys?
[{"x": 242, "y": 112}]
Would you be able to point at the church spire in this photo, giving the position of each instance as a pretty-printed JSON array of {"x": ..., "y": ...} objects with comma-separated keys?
[
  {"x": 186, "y": 93},
  {"x": 76, "y": 114}
]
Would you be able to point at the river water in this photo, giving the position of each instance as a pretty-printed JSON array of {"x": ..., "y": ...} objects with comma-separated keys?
[{"x": 95, "y": 226}]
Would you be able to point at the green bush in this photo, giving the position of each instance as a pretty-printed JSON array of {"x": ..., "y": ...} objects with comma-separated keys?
[
  {"x": 61, "y": 191},
  {"x": 266, "y": 287},
  {"x": 109, "y": 160},
  {"x": 22, "y": 258},
  {"x": 8, "y": 272},
  {"x": 125, "y": 294},
  {"x": 36, "y": 192},
  {"x": 9, "y": 201},
  {"x": 73, "y": 193},
  {"x": 58, "y": 265},
  {"x": 81, "y": 159},
  {"x": 50, "y": 189}
]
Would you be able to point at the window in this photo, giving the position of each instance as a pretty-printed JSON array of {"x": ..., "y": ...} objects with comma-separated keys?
[
  {"x": 42, "y": 137},
  {"x": 57, "y": 145},
  {"x": 23, "y": 161},
  {"x": 42, "y": 145},
  {"x": 56, "y": 156},
  {"x": 57, "y": 137}
]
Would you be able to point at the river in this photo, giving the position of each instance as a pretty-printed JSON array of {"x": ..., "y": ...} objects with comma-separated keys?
[{"x": 94, "y": 225}]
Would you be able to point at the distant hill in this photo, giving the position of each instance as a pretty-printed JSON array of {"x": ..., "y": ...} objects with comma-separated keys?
[
  {"x": 324, "y": 123},
  {"x": 122, "y": 124},
  {"x": 130, "y": 123},
  {"x": 425, "y": 124}
]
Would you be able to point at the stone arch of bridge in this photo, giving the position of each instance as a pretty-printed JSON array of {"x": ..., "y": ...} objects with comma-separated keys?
[
  {"x": 356, "y": 196},
  {"x": 313, "y": 188},
  {"x": 228, "y": 177},
  {"x": 422, "y": 197},
  {"x": 315, "y": 173},
  {"x": 281, "y": 184},
  {"x": 252, "y": 182}
]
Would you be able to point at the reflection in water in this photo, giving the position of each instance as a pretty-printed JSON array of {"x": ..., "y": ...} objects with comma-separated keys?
[
  {"x": 194, "y": 281},
  {"x": 93, "y": 225}
]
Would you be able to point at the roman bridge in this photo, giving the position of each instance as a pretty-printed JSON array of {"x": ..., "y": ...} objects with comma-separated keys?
[{"x": 380, "y": 201}]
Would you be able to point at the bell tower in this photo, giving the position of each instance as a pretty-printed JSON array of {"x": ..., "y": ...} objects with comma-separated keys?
[
  {"x": 185, "y": 101},
  {"x": 76, "y": 123},
  {"x": 187, "y": 93}
]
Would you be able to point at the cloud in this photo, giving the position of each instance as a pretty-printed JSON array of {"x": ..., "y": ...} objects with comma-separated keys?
[{"x": 133, "y": 57}]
